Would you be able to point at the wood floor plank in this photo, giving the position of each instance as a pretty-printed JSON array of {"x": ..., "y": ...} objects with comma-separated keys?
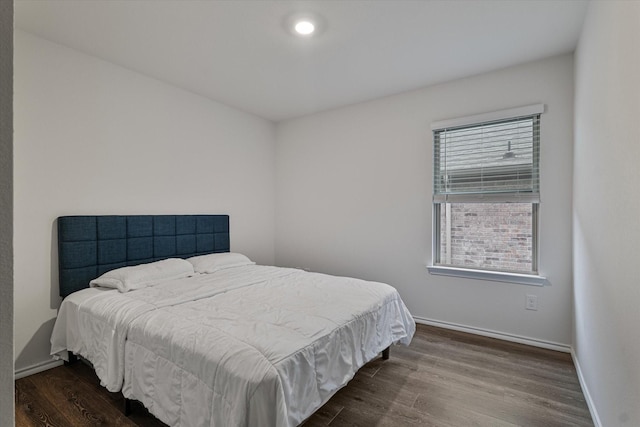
[
  {"x": 426, "y": 380},
  {"x": 326, "y": 414},
  {"x": 31, "y": 401},
  {"x": 444, "y": 379},
  {"x": 455, "y": 413},
  {"x": 559, "y": 390},
  {"x": 77, "y": 401},
  {"x": 22, "y": 419},
  {"x": 522, "y": 367},
  {"x": 386, "y": 389},
  {"x": 369, "y": 410},
  {"x": 573, "y": 413}
]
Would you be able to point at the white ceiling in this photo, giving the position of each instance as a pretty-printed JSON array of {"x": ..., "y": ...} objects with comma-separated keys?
[{"x": 241, "y": 54}]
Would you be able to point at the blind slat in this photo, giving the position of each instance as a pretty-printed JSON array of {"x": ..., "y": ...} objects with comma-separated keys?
[{"x": 498, "y": 158}]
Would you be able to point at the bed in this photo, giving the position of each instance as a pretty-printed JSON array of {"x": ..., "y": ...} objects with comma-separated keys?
[{"x": 204, "y": 337}]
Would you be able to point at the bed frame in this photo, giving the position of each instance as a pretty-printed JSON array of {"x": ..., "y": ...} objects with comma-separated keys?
[{"x": 89, "y": 246}]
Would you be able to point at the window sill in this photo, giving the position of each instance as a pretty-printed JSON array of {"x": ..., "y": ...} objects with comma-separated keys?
[{"x": 495, "y": 276}]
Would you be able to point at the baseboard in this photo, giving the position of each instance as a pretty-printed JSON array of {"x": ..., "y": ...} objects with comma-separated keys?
[
  {"x": 585, "y": 390},
  {"x": 495, "y": 334},
  {"x": 39, "y": 367}
]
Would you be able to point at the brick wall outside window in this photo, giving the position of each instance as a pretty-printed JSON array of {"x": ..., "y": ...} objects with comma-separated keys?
[{"x": 494, "y": 236}]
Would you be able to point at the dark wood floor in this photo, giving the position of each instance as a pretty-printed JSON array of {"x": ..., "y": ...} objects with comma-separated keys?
[{"x": 445, "y": 378}]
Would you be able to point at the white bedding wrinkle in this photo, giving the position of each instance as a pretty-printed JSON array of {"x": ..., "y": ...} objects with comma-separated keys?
[
  {"x": 250, "y": 345},
  {"x": 100, "y": 318}
]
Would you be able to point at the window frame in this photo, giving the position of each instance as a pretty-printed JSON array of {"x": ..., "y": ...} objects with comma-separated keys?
[{"x": 436, "y": 267}]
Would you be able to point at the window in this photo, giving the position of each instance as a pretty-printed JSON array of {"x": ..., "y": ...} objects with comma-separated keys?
[{"x": 486, "y": 192}]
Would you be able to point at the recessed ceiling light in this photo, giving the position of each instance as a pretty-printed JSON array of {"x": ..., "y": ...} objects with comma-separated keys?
[
  {"x": 305, "y": 24},
  {"x": 304, "y": 28}
]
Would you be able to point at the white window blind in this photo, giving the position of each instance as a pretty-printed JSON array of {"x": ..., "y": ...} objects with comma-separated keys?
[{"x": 492, "y": 161}]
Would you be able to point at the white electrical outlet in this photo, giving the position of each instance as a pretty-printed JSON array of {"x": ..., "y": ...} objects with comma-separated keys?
[{"x": 531, "y": 302}]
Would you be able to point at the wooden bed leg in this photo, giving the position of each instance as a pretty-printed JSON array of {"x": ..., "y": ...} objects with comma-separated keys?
[
  {"x": 72, "y": 359},
  {"x": 127, "y": 407},
  {"x": 385, "y": 353}
]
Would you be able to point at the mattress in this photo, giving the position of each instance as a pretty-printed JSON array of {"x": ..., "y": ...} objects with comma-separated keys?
[{"x": 250, "y": 345}]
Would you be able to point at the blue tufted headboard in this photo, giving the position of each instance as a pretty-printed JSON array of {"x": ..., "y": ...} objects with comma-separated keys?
[{"x": 91, "y": 245}]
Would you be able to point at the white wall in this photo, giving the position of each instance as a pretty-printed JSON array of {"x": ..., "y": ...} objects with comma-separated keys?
[
  {"x": 606, "y": 226},
  {"x": 95, "y": 138},
  {"x": 6, "y": 214},
  {"x": 354, "y": 190}
]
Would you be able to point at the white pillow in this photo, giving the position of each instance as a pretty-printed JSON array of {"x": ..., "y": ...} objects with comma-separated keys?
[
  {"x": 126, "y": 279},
  {"x": 214, "y": 262}
]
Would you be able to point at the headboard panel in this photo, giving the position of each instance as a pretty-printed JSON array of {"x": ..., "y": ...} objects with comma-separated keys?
[{"x": 91, "y": 245}]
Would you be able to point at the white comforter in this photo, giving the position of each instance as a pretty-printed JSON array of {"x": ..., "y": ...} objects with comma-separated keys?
[{"x": 250, "y": 345}]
